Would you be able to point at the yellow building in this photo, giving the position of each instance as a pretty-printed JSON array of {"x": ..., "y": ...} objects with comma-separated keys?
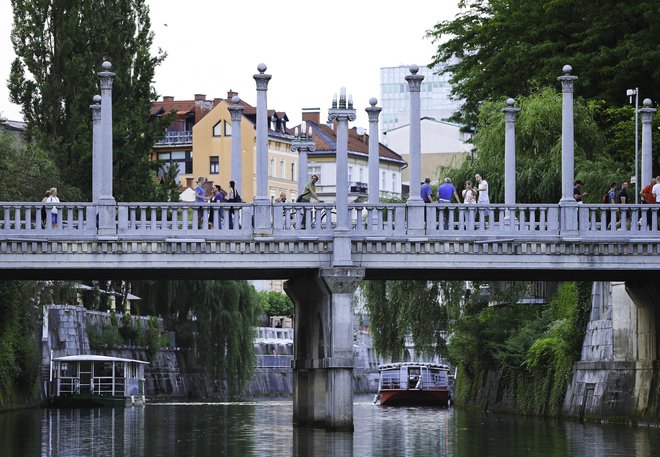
[{"x": 199, "y": 143}]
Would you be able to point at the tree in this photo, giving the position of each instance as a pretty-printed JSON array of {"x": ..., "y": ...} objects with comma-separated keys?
[
  {"x": 501, "y": 48},
  {"x": 538, "y": 150},
  {"x": 59, "y": 48},
  {"x": 224, "y": 312},
  {"x": 275, "y": 303}
]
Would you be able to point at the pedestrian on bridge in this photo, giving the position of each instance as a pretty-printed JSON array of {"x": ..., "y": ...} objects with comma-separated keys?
[
  {"x": 308, "y": 193},
  {"x": 482, "y": 189},
  {"x": 233, "y": 197},
  {"x": 200, "y": 197},
  {"x": 577, "y": 191},
  {"x": 446, "y": 192},
  {"x": 53, "y": 200}
]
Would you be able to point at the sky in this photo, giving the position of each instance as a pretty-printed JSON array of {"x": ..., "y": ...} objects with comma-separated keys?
[{"x": 311, "y": 49}]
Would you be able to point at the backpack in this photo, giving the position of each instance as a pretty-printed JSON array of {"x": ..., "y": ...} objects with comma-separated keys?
[{"x": 606, "y": 197}]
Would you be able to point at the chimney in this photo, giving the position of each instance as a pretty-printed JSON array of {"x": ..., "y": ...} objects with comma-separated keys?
[
  {"x": 216, "y": 101},
  {"x": 168, "y": 98},
  {"x": 200, "y": 97},
  {"x": 231, "y": 94},
  {"x": 312, "y": 115}
]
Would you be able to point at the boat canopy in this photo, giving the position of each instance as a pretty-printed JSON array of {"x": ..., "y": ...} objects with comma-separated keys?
[
  {"x": 95, "y": 358},
  {"x": 389, "y": 366}
]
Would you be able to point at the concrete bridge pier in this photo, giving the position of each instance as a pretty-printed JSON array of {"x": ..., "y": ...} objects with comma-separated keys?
[
  {"x": 617, "y": 375},
  {"x": 323, "y": 347}
]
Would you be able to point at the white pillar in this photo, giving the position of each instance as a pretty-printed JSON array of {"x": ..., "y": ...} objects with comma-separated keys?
[
  {"x": 415, "y": 152},
  {"x": 647, "y": 141},
  {"x": 262, "y": 204},
  {"x": 510, "y": 114},
  {"x": 567, "y": 136},
  {"x": 236, "y": 112},
  {"x": 374, "y": 157},
  {"x": 96, "y": 148},
  {"x": 106, "y": 78}
]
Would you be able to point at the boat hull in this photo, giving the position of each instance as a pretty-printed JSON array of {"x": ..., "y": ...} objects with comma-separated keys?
[
  {"x": 414, "y": 397},
  {"x": 94, "y": 401}
]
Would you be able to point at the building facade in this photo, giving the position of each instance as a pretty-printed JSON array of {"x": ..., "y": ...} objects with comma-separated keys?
[
  {"x": 198, "y": 142},
  {"x": 435, "y": 98}
]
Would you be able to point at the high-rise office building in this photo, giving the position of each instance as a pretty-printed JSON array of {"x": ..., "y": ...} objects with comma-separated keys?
[{"x": 395, "y": 98}]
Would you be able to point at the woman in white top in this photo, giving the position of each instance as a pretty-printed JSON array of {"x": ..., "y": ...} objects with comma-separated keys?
[
  {"x": 52, "y": 199},
  {"x": 469, "y": 194}
]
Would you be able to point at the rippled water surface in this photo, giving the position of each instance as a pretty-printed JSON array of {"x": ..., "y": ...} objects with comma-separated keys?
[{"x": 264, "y": 428}]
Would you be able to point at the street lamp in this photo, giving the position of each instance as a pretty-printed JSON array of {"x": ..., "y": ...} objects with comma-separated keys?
[{"x": 630, "y": 93}]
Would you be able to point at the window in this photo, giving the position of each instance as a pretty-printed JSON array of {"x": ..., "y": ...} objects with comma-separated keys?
[
  {"x": 214, "y": 168},
  {"x": 217, "y": 129},
  {"x": 227, "y": 128},
  {"x": 272, "y": 167},
  {"x": 182, "y": 159},
  {"x": 293, "y": 171},
  {"x": 394, "y": 182},
  {"x": 282, "y": 173},
  {"x": 383, "y": 175},
  {"x": 350, "y": 173}
]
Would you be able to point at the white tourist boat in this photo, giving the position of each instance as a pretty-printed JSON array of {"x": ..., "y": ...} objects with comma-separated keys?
[
  {"x": 96, "y": 380},
  {"x": 413, "y": 383}
]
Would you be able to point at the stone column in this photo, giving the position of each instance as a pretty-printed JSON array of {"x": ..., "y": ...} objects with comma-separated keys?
[
  {"x": 302, "y": 144},
  {"x": 416, "y": 220},
  {"x": 96, "y": 148},
  {"x": 647, "y": 141},
  {"x": 568, "y": 205},
  {"x": 510, "y": 114},
  {"x": 342, "y": 113},
  {"x": 262, "y": 224},
  {"x": 107, "y": 225},
  {"x": 323, "y": 347},
  {"x": 373, "y": 112},
  {"x": 236, "y": 112}
]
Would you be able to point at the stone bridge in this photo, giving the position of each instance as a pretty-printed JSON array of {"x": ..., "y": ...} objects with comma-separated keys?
[{"x": 341, "y": 242}]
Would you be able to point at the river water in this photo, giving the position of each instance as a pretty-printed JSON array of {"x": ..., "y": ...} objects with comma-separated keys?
[{"x": 264, "y": 428}]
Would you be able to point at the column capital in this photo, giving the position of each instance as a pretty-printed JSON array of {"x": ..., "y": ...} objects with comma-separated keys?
[
  {"x": 567, "y": 80},
  {"x": 96, "y": 108},
  {"x": 303, "y": 146},
  {"x": 510, "y": 112},
  {"x": 235, "y": 110},
  {"x": 262, "y": 78},
  {"x": 414, "y": 80},
  {"x": 106, "y": 76},
  {"x": 342, "y": 280},
  {"x": 341, "y": 114},
  {"x": 373, "y": 111},
  {"x": 647, "y": 112}
]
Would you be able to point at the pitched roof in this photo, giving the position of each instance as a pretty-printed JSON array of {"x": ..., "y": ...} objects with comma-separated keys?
[{"x": 326, "y": 142}]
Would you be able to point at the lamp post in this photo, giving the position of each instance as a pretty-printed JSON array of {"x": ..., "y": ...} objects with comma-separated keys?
[{"x": 630, "y": 93}]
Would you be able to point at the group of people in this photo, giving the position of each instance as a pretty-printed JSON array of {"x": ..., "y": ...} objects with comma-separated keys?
[
  {"x": 218, "y": 195},
  {"x": 447, "y": 192}
]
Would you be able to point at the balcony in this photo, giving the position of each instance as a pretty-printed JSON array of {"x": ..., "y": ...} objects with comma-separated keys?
[
  {"x": 358, "y": 187},
  {"x": 178, "y": 138}
]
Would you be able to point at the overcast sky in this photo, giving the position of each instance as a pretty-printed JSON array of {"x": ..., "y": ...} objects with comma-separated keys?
[{"x": 311, "y": 48}]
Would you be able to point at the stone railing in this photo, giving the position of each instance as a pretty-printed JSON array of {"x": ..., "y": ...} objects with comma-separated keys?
[{"x": 154, "y": 221}]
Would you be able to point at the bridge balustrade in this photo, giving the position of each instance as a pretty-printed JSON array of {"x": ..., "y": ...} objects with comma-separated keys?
[{"x": 236, "y": 220}]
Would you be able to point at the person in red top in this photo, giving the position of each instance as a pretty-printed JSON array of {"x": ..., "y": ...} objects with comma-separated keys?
[
  {"x": 647, "y": 192},
  {"x": 649, "y": 197}
]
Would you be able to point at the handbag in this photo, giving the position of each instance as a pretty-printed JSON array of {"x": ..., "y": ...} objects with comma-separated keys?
[{"x": 300, "y": 197}]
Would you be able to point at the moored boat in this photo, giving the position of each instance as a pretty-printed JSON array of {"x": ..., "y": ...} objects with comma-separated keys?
[
  {"x": 96, "y": 380},
  {"x": 413, "y": 383}
]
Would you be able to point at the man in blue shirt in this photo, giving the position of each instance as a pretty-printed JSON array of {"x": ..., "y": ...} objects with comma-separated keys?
[
  {"x": 445, "y": 193},
  {"x": 425, "y": 191},
  {"x": 200, "y": 197}
]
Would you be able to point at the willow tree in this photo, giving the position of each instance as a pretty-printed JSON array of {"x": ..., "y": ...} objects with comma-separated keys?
[
  {"x": 59, "y": 48},
  {"x": 538, "y": 150},
  {"x": 224, "y": 313}
]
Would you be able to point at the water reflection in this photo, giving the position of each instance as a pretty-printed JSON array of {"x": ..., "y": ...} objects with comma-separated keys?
[{"x": 265, "y": 428}]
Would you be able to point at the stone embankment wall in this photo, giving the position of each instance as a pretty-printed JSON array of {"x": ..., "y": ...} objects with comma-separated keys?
[{"x": 171, "y": 373}]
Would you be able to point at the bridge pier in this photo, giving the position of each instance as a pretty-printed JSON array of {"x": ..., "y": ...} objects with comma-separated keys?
[
  {"x": 323, "y": 347},
  {"x": 617, "y": 375}
]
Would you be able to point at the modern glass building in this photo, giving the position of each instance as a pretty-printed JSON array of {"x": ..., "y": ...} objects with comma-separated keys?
[{"x": 395, "y": 98}]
